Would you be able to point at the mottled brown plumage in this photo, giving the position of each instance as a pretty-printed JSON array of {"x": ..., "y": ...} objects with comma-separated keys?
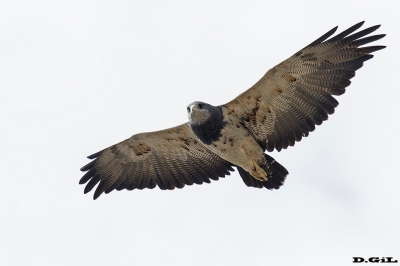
[
  {"x": 294, "y": 96},
  {"x": 168, "y": 158},
  {"x": 280, "y": 109}
]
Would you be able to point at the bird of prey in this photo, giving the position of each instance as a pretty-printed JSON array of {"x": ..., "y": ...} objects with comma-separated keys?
[{"x": 280, "y": 109}]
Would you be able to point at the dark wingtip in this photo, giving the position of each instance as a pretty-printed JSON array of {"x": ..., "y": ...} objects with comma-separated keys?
[
  {"x": 88, "y": 166},
  {"x": 370, "y": 49},
  {"x": 366, "y": 40},
  {"x": 87, "y": 176},
  {"x": 373, "y": 28},
  {"x": 322, "y": 38},
  {"x": 93, "y": 182},
  {"x": 99, "y": 190},
  {"x": 359, "y": 24},
  {"x": 379, "y": 47},
  {"x": 95, "y": 155},
  {"x": 346, "y": 32},
  {"x": 366, "y": 57},
  {"x": 333, "y": 30}
]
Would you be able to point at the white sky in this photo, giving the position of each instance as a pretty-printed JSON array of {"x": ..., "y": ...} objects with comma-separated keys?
[{"x": 78, "y": 76}]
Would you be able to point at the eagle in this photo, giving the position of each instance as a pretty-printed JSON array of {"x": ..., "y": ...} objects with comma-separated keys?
[{"x": 281, "y": 108}]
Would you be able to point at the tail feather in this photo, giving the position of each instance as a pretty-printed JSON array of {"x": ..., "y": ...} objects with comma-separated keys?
[
  {"x": 248, "y": 179},
  {"x": 275, "y": 171}
]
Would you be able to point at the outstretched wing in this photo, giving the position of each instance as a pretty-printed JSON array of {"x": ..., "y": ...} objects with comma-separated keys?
[
  {"x": 296, "y": 95},
  {"x": 169, "y": 158}
]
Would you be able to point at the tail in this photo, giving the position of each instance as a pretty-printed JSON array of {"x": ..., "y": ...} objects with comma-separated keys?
[{"x": 276, "y": 174}]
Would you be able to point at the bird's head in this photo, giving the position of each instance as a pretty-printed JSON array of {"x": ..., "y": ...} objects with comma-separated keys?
[{"x": 199, "y": 112}]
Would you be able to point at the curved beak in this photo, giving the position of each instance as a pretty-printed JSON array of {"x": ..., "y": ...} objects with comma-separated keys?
[{"x": 192, "y": 107}]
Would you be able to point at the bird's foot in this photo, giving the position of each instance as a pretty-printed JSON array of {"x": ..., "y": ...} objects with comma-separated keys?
[{"x": 259, "y": 173}]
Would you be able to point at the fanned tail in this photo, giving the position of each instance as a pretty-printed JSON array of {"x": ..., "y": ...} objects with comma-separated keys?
[{"x": 275, "y": 171}]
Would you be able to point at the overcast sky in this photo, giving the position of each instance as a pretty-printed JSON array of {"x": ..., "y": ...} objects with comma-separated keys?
[{"x": 79, "y": 76}]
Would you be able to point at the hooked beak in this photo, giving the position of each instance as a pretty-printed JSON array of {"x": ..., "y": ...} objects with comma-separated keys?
[
  {"x": 190, "y": 111},
  {"x": 190, "y": 108}
]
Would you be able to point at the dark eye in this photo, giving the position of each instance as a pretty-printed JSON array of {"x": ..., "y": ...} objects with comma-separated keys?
[
  {"x": 188, "y": 109},
  {"x": 200, "y": 106}
]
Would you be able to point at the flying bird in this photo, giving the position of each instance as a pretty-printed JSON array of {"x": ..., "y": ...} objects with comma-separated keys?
[{"x": 281, "y": 108}]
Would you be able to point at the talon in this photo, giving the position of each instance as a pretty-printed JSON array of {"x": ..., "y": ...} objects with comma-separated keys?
[{"x": 259, "y": 173}]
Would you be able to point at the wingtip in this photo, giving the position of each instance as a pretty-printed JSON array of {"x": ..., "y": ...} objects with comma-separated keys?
[
  {"x": 95, "y": 155},
  {"x": 366, "y": 57},
  {"x": 379, "y": 47},
  {"x": 88, "y": 175},
  {"x": 374, "y": 28},
  {"x": 87, "y": 166},
  {"x": 333, "y": 30},
  {"x": 86, "y": 191},
  {"x": 359, "y": 24},
  {"x": 322, "y": 38},
  {"x": 99, "y": 190},
  {"x": 92, "y": 183}
]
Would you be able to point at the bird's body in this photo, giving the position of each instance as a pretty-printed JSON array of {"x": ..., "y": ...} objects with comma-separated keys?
[
  {"x": 237, "y": 146},
  {"x": 227, "y": 137},
  {"x": 280, "y": 109}
]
